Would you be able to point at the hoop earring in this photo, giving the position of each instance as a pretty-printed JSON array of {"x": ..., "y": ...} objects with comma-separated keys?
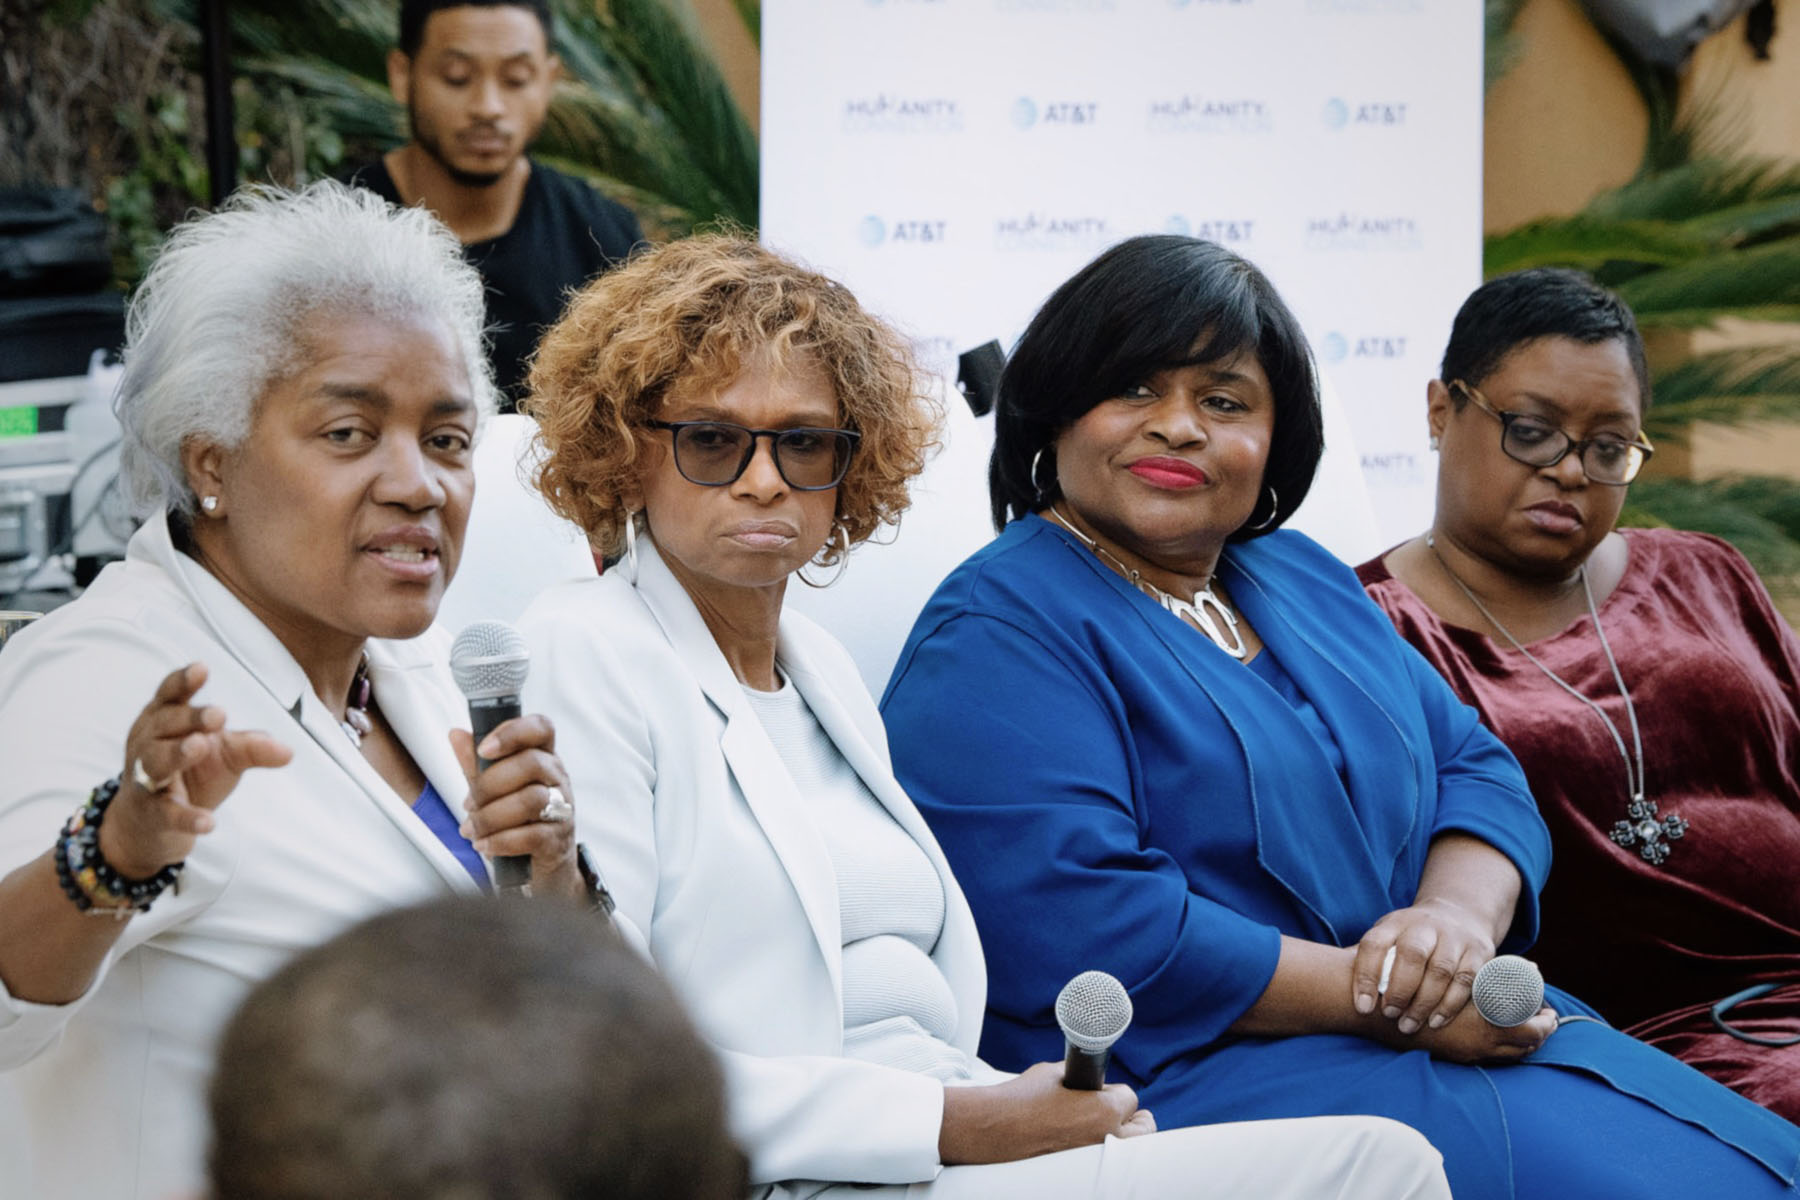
[
  {"x": 841, "y": 536},
  {"x": 1039, "y": 491},
  {"x": 630, "y": 561},
  {"x": 1266, "y": 522}
]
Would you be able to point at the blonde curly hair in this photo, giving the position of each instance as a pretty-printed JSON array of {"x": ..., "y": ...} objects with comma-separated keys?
[{"x": 689, "y": 316}]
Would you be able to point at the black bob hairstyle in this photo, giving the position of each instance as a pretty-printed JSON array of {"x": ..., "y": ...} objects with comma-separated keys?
[
  {"x": 414, "y": 14},
  {"x": 1505, "y": 313},
  {"x": 1145, "y": 305}
]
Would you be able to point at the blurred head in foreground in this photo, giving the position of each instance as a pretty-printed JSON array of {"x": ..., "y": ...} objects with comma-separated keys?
[{"x": 469, "y": 1049}]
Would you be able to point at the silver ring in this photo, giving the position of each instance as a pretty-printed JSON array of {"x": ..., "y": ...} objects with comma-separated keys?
[
  {"x": 142, "y": 778},
  {"x": 556, "y": 808}
]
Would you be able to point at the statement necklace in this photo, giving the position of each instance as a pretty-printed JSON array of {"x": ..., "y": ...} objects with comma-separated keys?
[
  {"x": 1643, "y": 828},
  {"x": 1227, "y": 639},
  {"x": 356, "y": 720}
]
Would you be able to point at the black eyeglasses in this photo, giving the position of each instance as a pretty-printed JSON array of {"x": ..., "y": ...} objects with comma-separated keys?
[
  {"x": 1605, "y": 458},
  {"x": 717, "y": 453}
]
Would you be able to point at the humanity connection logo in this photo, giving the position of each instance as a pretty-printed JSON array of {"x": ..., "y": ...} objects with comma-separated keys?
[
  {"x": 1364, "y": 114},
  {"x": 1365, "y": 6},
  {"x": 1037, "y": 230},
  {"x": 889, "y": 112},
  {"x": 1193, "y": 112},
  {"x": 1234, "y": 232},
  {"x": 1056, "y": 6},
  {"x": 874, "y": 232},
  {"x": 1368, "y": 232}
]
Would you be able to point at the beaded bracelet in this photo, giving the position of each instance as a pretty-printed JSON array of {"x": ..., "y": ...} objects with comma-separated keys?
[{"x": 85, "y": 875}]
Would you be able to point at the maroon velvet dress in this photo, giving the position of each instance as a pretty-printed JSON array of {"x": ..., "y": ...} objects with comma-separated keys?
[{"x": 1715, "y": 674}]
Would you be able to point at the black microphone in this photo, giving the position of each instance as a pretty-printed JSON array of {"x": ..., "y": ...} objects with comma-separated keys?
[
  {"x": 1094, "y": 1011},
  {"x": 490, "y": 661},
  {"x": 1508, "y": 991}
]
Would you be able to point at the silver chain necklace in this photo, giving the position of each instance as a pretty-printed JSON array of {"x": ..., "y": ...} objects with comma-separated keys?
[
  {"x": 1195, "y": 609},
  {"x": 1643, "y": 828}
]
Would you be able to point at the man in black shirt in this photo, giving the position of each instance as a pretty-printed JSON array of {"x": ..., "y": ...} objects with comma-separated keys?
[{"x": 475, "y": 77}]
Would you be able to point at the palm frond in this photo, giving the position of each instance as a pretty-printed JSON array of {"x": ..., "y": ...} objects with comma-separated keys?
[
  {"x": 1759, "y": 283},
  {"x": 1500, "y": 44},
  {"x": 1591, "y": 242},
  {"x": 1697, "y": 187},
  {"x": 751, "y": 12},
  {"x": 1724, "y": 508}
]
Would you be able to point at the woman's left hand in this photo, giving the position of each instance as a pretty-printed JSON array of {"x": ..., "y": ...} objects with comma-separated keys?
[
  {"x": 1438, "y": 946},
  {"x": 511, "y": 806}
]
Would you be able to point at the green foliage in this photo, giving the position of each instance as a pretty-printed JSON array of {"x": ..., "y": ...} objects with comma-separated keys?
[
  {"x": 1759, "y": 515},
  {"x": 642, "y": 110},
  {"x": 1500, "y": 45}
]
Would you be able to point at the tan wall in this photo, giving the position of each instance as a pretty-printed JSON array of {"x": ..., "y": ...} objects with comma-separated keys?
[{"x": 1563, "y": 124}]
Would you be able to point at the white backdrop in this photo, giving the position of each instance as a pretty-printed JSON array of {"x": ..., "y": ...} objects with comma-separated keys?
[{"x": 952, "y": 161}]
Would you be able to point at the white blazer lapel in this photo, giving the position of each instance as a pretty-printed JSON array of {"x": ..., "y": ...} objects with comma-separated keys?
[
  {"x": 418, "y": 718},
  {"x": 761, "y": 777}
]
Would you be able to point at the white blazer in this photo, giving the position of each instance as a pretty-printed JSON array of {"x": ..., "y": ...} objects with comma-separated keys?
[
  {"x": 113, "y": 1084},
  {"x": 716, "y": 865}
]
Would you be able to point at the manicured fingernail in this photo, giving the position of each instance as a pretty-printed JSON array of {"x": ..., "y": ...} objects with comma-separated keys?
[
  {"x": 466, "y": 830},
  {"x": 489, "y": 745},
  {"x": 1437, "y": 1020},
  {"x": 1390, "y": 1012},
  {"x": 1365, "y": 1003},
  {"x": 1408, "y": 1025}
]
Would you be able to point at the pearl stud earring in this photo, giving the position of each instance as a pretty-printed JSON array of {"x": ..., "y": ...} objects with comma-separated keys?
[{"x": 209, "y": 505}]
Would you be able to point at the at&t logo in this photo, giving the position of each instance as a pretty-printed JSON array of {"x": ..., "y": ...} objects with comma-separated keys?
[
  {"x": 872, "y": 231},
  {"x": 1364, "y": 114},
  {"x": 1027, "y": 112},
  {"x": 1233, "y": 232}
]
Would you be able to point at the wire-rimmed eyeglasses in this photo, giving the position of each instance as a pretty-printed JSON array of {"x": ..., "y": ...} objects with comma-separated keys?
[
  {"x": 717, "y": 453},
  {"x": 1606, "y": 458}
]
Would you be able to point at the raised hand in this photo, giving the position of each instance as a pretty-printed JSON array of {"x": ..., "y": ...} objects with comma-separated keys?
[{"x": 181, "y": 762}]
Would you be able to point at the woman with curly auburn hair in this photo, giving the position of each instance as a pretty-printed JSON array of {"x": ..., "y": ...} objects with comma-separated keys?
[{"x": 724, "y": 417}]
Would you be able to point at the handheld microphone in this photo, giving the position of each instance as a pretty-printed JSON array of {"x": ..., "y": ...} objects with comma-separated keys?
[
  {"x": 1508, "y": 991},
  {"x": 490, "y": 661},
  {"x": 1094, "y": 1011}
]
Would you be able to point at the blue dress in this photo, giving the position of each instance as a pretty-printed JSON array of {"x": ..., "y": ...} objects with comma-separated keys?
[{"x": 1115, "y": 792}]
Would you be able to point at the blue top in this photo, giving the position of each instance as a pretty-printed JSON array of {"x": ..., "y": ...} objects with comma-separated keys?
[
  {"x": 1115, "y": 792},
  {"x": 437, "y": 817},
  {"x": 1268, "y": 668}
]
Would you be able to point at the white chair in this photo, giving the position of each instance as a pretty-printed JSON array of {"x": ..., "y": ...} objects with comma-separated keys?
[{"x": 515, "y": 546}]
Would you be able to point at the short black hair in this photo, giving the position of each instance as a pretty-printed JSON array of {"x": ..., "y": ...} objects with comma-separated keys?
[
  {"x": 414, "y": 14},
  {"x": 469, "y": 1047},
  {"x": 1505, "y": 313},
  {"x": 1141, "y": 307}
]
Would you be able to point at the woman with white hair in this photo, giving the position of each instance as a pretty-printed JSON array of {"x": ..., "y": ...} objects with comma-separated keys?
[{"x": 237, "y": 743}]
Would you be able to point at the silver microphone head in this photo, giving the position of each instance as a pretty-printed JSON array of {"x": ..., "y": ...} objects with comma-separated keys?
[
  {"x": 1508, "y": 991},
  {"x": 1093, "y": 1010},
  {"x": 489, "y": 659}
]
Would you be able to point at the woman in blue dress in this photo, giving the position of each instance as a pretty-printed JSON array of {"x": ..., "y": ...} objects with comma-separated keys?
[{"x": 1161, "y": 737}]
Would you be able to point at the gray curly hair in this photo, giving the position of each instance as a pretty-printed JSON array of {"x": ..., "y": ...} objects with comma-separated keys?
[{"x": 216, "y": 319}]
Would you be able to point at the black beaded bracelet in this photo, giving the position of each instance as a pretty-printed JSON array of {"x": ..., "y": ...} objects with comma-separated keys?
[{"x": 85, "y": 875}]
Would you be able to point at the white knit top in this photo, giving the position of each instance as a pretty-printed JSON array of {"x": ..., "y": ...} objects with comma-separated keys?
[{"x": 898, "y": 1008}]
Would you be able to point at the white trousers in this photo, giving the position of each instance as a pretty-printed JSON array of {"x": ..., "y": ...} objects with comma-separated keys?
[{"x": 1319, "y": 1158}]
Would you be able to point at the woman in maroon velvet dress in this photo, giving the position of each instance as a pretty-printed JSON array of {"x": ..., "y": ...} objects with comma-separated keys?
[{"x": 1646, "y": 683}]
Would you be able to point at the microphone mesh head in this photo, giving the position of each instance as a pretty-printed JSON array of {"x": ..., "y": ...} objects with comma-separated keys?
[
  {"x": 1508, "y": 990},
  {"x": 490, "y": 659},
  {"x": 1093, "y": 1010}
]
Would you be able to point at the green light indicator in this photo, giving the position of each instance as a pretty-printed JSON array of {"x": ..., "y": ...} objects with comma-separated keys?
[{"x": 18, "y": 422}]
